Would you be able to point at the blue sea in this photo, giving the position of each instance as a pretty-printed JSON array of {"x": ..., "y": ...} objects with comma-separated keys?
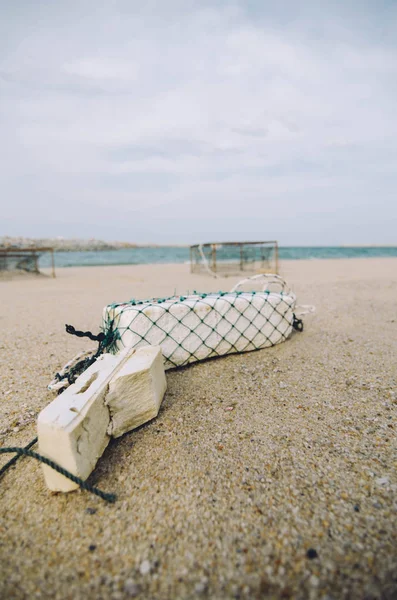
[{"x": 169, "y": 254}]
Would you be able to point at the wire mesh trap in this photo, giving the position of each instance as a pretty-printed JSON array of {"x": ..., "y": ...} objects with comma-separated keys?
[
  {"x": 23, "y": 259},
  {"x": 231, "y": 258}
]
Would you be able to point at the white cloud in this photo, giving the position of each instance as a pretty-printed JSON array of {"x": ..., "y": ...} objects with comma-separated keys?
[
  {"x": 103, "y": 69},
  {"x": 185, "y": 106}
]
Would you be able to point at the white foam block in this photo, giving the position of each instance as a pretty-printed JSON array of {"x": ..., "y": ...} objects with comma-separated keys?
[
  {"x": 75, "y": 428},
  {"x": 199, "y": 327},
  {"x": 136, "y": 391}
]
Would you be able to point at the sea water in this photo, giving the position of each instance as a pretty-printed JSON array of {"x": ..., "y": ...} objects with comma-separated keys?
[{"x": 178, "y": 254}]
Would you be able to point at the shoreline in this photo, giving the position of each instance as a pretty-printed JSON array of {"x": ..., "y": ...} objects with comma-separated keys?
[
  {"x": 282, "y": 263},
  {"x": 282, "y": 260},
  {"x": 112, "y": 258}
]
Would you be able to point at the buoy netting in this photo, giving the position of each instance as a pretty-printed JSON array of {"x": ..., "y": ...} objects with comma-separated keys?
[{"x": 200, "y": 326}]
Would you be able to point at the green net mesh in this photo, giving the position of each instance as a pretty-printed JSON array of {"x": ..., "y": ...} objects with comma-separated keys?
[
  {"x": 194, "y": 327},
  {"x": 200, "y": 326}
]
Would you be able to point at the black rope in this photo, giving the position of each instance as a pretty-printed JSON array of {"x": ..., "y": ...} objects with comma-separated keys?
[
  {"x": 84, "y": 485},
  {"x": 78, "y": 369},
  {"x": 105, "y": 342},
  {"x": 95, "y": 338},
  {"x": 297, "y": 324},
  {"x": 13, "y": 460}
]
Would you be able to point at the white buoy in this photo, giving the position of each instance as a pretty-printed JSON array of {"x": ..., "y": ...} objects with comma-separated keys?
[{"x": 200, "y": 326}]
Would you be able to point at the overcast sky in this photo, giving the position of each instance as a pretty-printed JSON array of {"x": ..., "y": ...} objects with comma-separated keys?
[{"x": 188, "y": 121}]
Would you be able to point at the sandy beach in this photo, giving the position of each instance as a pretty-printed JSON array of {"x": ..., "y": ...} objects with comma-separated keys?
[{"x": 291, "y": 494}]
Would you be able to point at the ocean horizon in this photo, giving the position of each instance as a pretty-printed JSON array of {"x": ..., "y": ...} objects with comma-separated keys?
[{"x": 181, "y": 254}]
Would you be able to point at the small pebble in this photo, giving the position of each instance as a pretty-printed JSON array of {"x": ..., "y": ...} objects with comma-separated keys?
[
  {"x": 145, "y": 567},
  {"x": 382, "y": 480},
  {"x": 282, "y": 385},
  {"x": 201, "y": 587},
  {"x": 131, "y": 588},
  {"x": 90, "y": 511}
]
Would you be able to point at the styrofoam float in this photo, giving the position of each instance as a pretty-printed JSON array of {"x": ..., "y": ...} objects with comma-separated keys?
[
  {"x": 113, "y": 396},
  {"x": 199, "y": 326}
]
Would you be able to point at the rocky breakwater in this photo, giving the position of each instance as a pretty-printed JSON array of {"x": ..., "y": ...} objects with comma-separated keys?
[{"x": 60, "y": 244}]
